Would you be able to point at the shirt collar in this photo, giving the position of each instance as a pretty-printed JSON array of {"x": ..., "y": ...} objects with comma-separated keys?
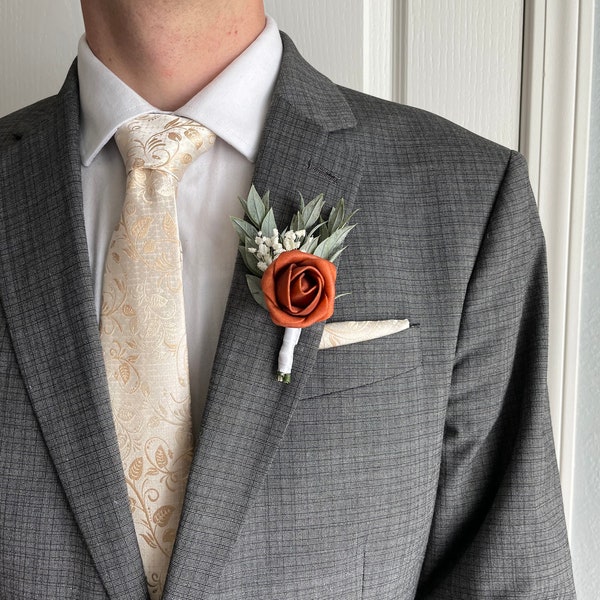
[{"x": 234, "y": 105}]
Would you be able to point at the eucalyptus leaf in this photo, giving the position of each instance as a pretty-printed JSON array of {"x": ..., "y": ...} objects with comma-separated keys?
[
  {"x": 336, "y": 254},
  {"x": 297, "y": 222},
  {"x": 336, "y": 216},
  {"x": 244, "y": 229},
  {"x": 265, "y": 200},
  {"x": 342, "y": 295},
  {"x": 324, "y": 233},
  {"x": 322, "y": 250},
  {"x": 244, "y": 204},
  {"x": 301, "y": 201},
  {"x": 250, "y": 260},
  {"x": 312, "y": 211},
  {"x": 309, "y": 245},
  {"x": 347, "y": 218},
  {"x": 340, "y": 218},
  {"x": 255, "y": 208},
  {"x": 256, "y": 290},
  {"x": 268, "y": 224},
  {"x": 332, "y": 244}
]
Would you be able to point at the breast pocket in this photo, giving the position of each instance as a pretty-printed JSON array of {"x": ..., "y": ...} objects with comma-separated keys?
[{"x": 365, "y": 363}]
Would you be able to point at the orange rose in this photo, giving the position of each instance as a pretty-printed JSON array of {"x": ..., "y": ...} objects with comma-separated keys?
[{"x": 299, "y": 289}]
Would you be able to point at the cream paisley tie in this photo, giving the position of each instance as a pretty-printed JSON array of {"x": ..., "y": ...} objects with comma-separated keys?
[{"x": 142, "y": 329}]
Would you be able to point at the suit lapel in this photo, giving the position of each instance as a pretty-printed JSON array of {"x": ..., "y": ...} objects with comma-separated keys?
[
  {"x": 247, "y": 410},
  {"x": 47, "y": 296}
]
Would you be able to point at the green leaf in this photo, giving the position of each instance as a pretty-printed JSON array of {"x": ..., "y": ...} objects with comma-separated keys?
[
  {"x": 347, "y": 218},
  {"x": 336, "y": 215},
  {"x": 256, "y": 291},
  {"x": 244, "y": 204},
  {"x": 333, "y": 243},
  {"x": 250, "y": 260},
  {"x": 255, "y": 208},
  {"x": 336, "y": 254},
  {"x": 265, "y": 200},
  {"x": 301, "y": 201},
  {"x": 297, "y": 223},
  {"x": 309, "y": 245},
  {"x": 344, "y": 219},
  {"x": 244, "y": 229},
  {"x": 312, "y": 211},
  {"x": 324, "y": 233},
  {"x": 342, "y": 295},
  {"x": 268, "y": 224}
]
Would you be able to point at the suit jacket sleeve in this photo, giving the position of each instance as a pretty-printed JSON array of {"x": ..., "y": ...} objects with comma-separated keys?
[{"x": 498, "y": 527}]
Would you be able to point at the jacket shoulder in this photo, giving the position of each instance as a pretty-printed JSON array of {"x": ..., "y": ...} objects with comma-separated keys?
[
  {"x": 436, "y": 167},
  {"x": 398, "y": 126},
  {"x": 18, "y": 124}
]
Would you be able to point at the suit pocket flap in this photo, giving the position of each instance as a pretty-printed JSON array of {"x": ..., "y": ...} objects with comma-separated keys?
[{"x": 364, "y": 363}]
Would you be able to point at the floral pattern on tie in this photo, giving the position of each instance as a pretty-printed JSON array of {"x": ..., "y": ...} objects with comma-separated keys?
[{"x": 142, "y": 330}]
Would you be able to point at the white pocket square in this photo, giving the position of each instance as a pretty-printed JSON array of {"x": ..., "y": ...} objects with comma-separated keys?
[{"x": 351, "y": 332}]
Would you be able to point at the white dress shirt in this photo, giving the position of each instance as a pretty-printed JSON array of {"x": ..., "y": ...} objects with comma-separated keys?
[{"x": 234, "y": 106}]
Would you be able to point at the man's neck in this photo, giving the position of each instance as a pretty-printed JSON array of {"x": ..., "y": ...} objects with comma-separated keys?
[{"x": 167, "y": 50}]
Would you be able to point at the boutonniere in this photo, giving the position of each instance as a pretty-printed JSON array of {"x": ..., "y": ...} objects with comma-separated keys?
[{"x": 291, "y": 271}]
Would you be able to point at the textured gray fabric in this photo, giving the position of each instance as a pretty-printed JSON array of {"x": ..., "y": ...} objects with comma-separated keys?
[{"x": 419, "y": 465}]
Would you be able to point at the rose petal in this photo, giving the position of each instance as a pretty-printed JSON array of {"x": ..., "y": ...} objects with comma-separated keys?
[
  {"x": 306, "y": 286},
  {"x": 299, "y": 289}
]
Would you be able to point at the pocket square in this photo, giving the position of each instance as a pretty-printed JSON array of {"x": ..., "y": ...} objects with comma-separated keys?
[{"x": 352, "y": 332}]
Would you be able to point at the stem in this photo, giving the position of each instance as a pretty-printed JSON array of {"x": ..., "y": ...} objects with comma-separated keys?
[{"x": 286, "y": 354}]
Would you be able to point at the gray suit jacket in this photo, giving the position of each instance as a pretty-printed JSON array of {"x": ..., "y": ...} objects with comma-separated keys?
[{"x": 419, "y": 465}]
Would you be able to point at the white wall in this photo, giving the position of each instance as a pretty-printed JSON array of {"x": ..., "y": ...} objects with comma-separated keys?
[
  {"x": 585, "y": 527},
  {"x": 329, "y": 39},
  {"x": 458, "y": 58},
  {"x": 463, "y": 60},
  {"x": 38, "y": 42}
]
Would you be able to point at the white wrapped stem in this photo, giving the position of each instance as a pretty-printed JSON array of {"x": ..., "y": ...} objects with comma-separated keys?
[{"x": 286, "y": 354}]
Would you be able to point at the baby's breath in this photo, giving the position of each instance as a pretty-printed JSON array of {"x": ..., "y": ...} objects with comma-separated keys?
[{"x": 267, "y": 249}]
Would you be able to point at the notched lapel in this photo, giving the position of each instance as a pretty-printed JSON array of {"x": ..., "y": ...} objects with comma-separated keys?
[
  {"x": 247, "y": 410},
  {"x": 48, "y": 300}
]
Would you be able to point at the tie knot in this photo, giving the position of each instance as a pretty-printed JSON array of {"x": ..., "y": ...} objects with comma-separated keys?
[{"x": 162, "y": 142}]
